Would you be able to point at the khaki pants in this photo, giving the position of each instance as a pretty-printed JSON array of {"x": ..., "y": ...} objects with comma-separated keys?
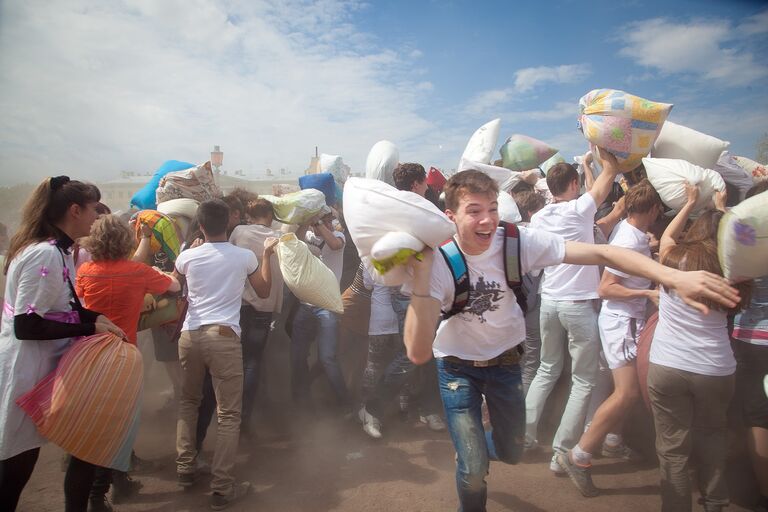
[
  {"x": 218, "y": 349},
  {"x": 690, "y": 415}
]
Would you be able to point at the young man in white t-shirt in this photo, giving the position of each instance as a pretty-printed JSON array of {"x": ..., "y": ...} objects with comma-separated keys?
[
  {"x": 621, "y": 321},
  {"x": 313, "y": 323},
  {"x": 215, "y": 272},
  {"x": 569, "y": 305},
  {"x": 476, "y": 349}
]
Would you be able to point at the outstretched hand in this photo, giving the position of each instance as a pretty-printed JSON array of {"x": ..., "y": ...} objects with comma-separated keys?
[{"x": 695, "y": 286}]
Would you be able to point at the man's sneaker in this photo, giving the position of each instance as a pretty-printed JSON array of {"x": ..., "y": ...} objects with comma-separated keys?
[
  {"x": 186, "y": 479},
  {"x": 555, "y": 467},
  {"x": 621, "y": 451},
  {"x": 99, "y": 504},
  {"x": 433, "y": 421},
  {"x": 222, "y": 501},
  {"x": 124, "y": 487},
  {"x": 580, "y": 476},
  {"x": 371, "y": 424}
]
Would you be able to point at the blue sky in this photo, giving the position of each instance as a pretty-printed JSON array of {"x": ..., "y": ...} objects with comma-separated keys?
[{"x": 93, "y": 88}]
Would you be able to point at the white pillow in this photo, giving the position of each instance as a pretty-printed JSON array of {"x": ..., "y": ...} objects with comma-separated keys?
[
  {"x": 381, "y": 162},
  {"x": 668, "y": 177},
  {"x": 372, "y": 209},
  {"x": 483, "y": 143},
  {"x": 742, "y": 239},
  {"x": 680, "y": 142},
  {"x": 758, "y": 171},
  {"x": 306, "y": 276},
  {"x": 297, "y": 207},
  {"x": 508, "y": 210},
  {"x": 504, "y": 177}
]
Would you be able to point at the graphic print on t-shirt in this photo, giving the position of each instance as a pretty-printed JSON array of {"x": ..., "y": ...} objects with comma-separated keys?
[{"x": 483, "y": 297}]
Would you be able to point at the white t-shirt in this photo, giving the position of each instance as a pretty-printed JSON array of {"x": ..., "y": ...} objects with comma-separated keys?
[
  {"x": 628, "y": 236},
  {"x": 252, "y": 237},
  {"x": 215, "y": 273},
  {"x": 689, "y": 340},
  {"x": 334, "y": 260},
  {"x": 383, "y": 317},
  {"x": 492, "y": 321},
  {"x": 572, "y": 220}
]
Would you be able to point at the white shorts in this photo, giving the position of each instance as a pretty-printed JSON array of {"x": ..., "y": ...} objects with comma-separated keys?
[{"x": 619, "y": 335}]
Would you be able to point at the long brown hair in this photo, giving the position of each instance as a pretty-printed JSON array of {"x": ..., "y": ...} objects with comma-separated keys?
[
  {"x": 46, "y": 207},
  {"x": 690, "y": 255}
]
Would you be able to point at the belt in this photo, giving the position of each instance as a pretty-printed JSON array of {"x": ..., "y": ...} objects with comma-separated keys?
[{"x": 507, "y": 358}]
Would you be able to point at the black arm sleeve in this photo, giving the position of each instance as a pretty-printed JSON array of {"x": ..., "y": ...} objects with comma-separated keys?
[
  {"x": 86, "y": 315},
  {"x": 35, "y": 327}
]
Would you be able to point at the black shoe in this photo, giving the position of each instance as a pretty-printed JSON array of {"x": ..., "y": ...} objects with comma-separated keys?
[
  {"x": 99, "y": 504},
  {"x": 222, "y": 501},
  {"x": 142, "y": 466},
  {"x": 124, "y": 487},
  {"x": 186, "y": 480}
]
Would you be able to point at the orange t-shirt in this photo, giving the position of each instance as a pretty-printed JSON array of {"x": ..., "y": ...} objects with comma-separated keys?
[{"x": 116, "y": 289}]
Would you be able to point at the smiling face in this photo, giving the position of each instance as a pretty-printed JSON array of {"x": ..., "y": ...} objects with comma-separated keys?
[{"x": 476, "y": 218}]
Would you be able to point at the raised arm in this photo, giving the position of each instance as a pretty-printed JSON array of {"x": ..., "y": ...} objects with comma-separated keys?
[
  {"x": 589, "y": 174},
  {"x": 423, "y": 311},
  {"x": 602, "y": 186},
  {"x": 690, "y": 286},
  {"x": 607, "y": 223},
  {"x": 321, "y": 230},
  {"x": 144, "y": 250},
  {"x": 675, "y": 228},
  {"x": 261, "y": 280}
]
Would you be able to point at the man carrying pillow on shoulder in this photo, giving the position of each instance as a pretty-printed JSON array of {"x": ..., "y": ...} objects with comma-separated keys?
[{"x": 476, "y": 349}]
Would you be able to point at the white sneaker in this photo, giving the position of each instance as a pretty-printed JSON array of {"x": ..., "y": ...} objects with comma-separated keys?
[
  {"x": 555, "y": 466},
  {"x": 371, "y": 424},
  {"x": 433, "y": 421}
]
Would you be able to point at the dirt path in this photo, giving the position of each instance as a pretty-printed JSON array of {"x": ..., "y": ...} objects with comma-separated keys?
[{"x": 329, "y": 464}]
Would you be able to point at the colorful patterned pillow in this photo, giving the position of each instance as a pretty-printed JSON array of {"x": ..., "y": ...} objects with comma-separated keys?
[
  {"x": 624, "y": 124},
  {"x": 521, "y": 153}
]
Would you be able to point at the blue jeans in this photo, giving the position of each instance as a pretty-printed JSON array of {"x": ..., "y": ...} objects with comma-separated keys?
[
  {"x": 462, "y": 388},
  {"x": 255, "y": 327},
  {"x": 312, "y": 323}
]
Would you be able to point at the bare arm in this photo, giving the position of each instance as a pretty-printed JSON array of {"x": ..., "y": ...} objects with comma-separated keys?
[
  {"x": 334, "y": 242},
  {"x": 602, "y": 186},
  {"x": 175, "y": 285},
  {"x": 607, "y": 223},
  {"x": 690, "y": 286},
  {"x": 423, "y": 312},
  {"x": 589, "y": 174},
  {"x": 261, "y": 280},
  {"x": 144, "y": 250},
  {"x": 611, "y": 288},
  {"x": 675, "y": 228}
]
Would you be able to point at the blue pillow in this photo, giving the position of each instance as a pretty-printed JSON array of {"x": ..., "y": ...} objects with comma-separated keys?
[{"x": 145, "y": 198}]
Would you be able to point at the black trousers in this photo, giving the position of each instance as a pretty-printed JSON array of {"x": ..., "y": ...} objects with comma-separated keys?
[{"x": 15, "y": 473}]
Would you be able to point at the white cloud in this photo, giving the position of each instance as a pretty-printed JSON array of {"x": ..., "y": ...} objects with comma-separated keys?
[
  {"x": 702, "y": 48},
  {"x": 526, "y": 79},
  {"x": 754, "y": 25},
  {"x": 93, "y": 88}
]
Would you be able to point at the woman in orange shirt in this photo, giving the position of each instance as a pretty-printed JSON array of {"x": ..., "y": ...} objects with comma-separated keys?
[{"x": 115, "y": 284}]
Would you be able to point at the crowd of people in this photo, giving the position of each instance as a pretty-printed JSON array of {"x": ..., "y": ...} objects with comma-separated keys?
[{"x": 597, "y": 265}]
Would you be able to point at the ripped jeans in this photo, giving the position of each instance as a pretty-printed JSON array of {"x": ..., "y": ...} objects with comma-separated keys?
[{"x": 462, "y": 388}]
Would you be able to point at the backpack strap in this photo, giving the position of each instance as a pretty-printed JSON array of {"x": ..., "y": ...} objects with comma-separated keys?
[
  {"x": 512, "y": 268},
  {"x": 458, "y": 266}
]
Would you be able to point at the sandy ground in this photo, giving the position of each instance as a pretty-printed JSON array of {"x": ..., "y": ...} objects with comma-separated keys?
[{"x": 329, "y": 464}]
